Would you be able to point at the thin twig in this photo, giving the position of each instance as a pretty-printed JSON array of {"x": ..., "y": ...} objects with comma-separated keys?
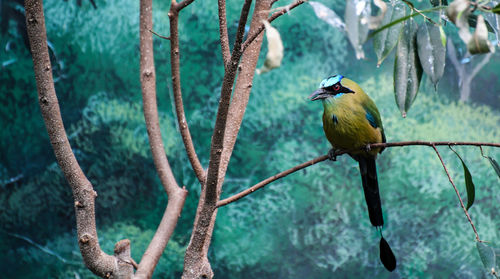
[
  {"x": 411, "y": 6},
  {"x": 163, "y": 37},
  {"x": 340, "y": 152},
  {"x": 224, "y": 38},
  {"x": 150, "y": 107},
  {"x": 271, "y": 179},
  {"x": 274, "y": 16},
  {"x": 182, "y": 5},
  {"x": 241, "y": 25},
  {"x": 456, "y": 191},
  {"x": 176, "y": 87},
  {"x": 431, "y": 143}
]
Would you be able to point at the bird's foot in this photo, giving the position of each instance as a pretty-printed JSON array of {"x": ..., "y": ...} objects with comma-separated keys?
[
  {"x": 368, "y": 148},
  {"x": 332, "y": 154}
]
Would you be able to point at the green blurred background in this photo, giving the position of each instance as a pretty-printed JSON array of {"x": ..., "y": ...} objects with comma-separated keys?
[{"x": 312, "y": 224}]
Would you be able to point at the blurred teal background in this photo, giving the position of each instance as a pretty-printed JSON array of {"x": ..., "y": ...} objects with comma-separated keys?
[{"x": 311, "y": 224}]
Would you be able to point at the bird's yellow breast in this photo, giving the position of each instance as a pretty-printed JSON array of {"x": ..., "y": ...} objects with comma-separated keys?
[{"x": 346, "y": 126}]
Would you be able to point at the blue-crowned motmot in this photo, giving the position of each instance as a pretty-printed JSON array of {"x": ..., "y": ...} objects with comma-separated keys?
[{"x": 351, "y": 121}]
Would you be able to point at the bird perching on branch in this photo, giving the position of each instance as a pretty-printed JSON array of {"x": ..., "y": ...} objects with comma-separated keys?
[{"x": 351, "y": 121}]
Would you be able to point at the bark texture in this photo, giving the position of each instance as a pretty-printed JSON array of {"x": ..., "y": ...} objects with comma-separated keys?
[{"x": 95, "y": 259}]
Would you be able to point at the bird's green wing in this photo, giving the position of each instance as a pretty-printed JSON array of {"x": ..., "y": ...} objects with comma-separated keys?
[{"x": 373, "y": 116}]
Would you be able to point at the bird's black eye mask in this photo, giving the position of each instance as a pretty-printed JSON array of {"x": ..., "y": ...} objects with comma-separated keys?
[
  {"x": 330, "y": 87},
  {"x": 337, "y": 88}
]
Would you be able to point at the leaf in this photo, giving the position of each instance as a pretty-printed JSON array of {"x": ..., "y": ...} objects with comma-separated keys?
[
  {"x": 436, "y": 3},
  {"x": 494, "y": 164},
  {"x": 386, "y": 255},
  {"x": 496, "y": 9},
  {"x": 357, "y": 16},
  {"x": 274, "y": 49},
  {"x": 407, "y": 68},
  {"x": 385, "y": 41},
  {"x": 487, "y": 255},
  {"x": 404, "y": 19},
  {"x": 472, "y": 20},
  {"x": 493, "y": 20},
  {"x": 458, "y": 12},
  {"x": 375, "y": 21},
  {"x": 431, "y": 51},
  {"x": 479, "y": 42},
  {"x": 327, "y": 15},
  {"x": 443, "y": 35},
  {"x": 469, "y": 184}
]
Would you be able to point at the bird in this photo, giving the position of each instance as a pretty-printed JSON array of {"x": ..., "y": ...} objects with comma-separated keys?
[{"x": 351, "y": 121}]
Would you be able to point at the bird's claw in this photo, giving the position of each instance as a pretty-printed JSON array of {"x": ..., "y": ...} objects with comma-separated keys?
[
  {"x": 332, "y": 155},
  {"x": 368, "y": 148}
]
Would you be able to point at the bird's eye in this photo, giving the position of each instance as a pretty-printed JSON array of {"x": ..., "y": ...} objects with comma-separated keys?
[{"x": 336, "y": 87}]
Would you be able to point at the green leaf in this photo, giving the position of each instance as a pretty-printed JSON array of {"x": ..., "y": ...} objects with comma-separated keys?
[
  {"x": 404, "y": 19},
  {"x": 494, "y": 164},
  {"x": 375, "y": 21},
  {"x": 431, "y": 51},
  {"x": 479, "y": 42},
  {"x": 458, "y": 12},
  {"x": 493, "y": 22},
  {"x": 357, "y": 17},
  {"x": 407, "y": 68},
  {"x": 496, "y": 9},
  {"x": 473, "y": 23},
  {"x": 327, "y": 15},
  {"x": 385, "y": 41},
  {"x": 443, "y": 35},
  {"x": 487, "y": 255},
  {"x": 469, "y": 184}
]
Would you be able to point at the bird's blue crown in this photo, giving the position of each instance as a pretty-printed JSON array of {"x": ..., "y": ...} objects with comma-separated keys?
[{"x": 330, "y": 81}]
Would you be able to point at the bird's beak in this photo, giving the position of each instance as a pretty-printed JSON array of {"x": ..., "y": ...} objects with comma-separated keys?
[{"x": 319, "y": 94}]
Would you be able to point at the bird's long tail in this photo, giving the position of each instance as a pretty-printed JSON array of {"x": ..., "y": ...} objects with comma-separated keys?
[{"x": 368, "y": 171}]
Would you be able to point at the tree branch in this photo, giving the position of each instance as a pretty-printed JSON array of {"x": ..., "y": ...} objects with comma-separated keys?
[
  {"x": 340, "y": 152},
  {"x": 84, "y": 195},
  {"x": 241, "y": 26},
  {"x": 456, "y": 191},
  {"x": 148, "y": 86},
  {"x": 176, "y": 195},
  {"x": 196, "y": 264},
  {"x": 125, "y": 263},
  {"x": 224, "y": 38},
  {"x": 431, "y": 143},
  {"x": 241, "y": 93},
  {"x": 176, "y": 86},
  {"x": 163, "y": 233},
  {"x": 181, "y": 5},
  {"x": 271, "y": 179},
  {"x": 160, "y": 36},
  {"x": 222, "y": 112},
  {"x": 270, "y": 19}
]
